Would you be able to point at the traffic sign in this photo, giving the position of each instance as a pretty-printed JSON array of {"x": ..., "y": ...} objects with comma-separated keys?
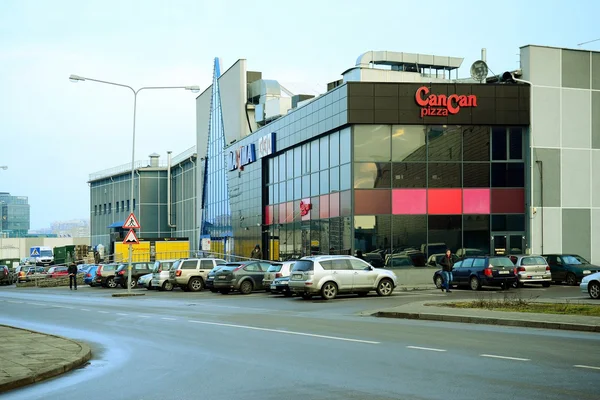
[
  {"x": 35, "y": 252},
  {"x": 131, "y": 222},
  {"x": 131, "y": 238}
]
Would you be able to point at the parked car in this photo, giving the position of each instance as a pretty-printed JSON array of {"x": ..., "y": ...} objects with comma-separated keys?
[
  {"x": 330, "y": 275},
  {"x": 277, "y": 270},
  {"x": 191, "y": 274},
  {"x": 144, "y": 281},
  {"x": 57, "y": 272},
  {"x": 105, "y": 275},
  {"x": 160, "y": 275},
  {"x": 435, "y": 259},
  {"x": 407, "y": 258},
  {"x": 591, "y": 285},
  {"x": 467, "y": 252},
  {"x": 6, "y": 276},
  {"x": 244, "y": 276},
  {"x": 90, "y": 275},
  {"x": 477, "y": 272},
  {"x": 137, "y": 270},
  {"x": 531, "y": 269},
  {"x": 375, "y": 259},
  {"x": 281, "y": 285},
  {"x": 569, "y": 268},
  {"x": 210, "y": 278}
]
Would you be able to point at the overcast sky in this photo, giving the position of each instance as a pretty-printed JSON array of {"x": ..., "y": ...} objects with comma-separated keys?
[{"x": 54, "y": 133}]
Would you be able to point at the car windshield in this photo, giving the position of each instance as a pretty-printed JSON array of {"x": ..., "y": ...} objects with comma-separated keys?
[
  {"x": 46, "y": 253},
  {"x": 163, "y": 265},
  {"x": 533, "y": 261},
  {"x": 110, "y": 267},
  {"x": 574, "y": 260},
  {"x": 501, "y": 262},
  {"x": 303, "y": 265},
  {"x": 274, "y": 268}
]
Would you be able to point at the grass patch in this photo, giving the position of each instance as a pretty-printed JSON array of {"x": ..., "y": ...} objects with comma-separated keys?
[{"x": 518, "y": 304}]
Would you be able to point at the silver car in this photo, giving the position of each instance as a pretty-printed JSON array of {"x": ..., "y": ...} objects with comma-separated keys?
[
  {"x": 329, "y": 275},
  {"x": 591, "y": 285},
  {"x": 277, "y": 270},
  {"x": 531, "y": 269},
  {"x": 160, "y": 275}
]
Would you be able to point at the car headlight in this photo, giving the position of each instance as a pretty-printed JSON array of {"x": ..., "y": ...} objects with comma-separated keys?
[{"x": 587, "y": 272}]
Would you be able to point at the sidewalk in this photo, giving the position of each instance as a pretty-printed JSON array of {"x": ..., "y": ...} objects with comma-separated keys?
[
  {"x": 27, "y": 357},
  {"x": 430, "y": 310}
]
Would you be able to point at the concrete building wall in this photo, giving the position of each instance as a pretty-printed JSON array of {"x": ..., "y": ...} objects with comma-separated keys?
[
  {"x": 565, "y": 128},
  {"x": 19, "y": 247},
  {"x": 234, "y": 94},
  {"x": 184, "y": 198}
]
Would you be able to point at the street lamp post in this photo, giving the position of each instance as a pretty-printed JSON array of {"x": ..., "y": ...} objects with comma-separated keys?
[{"x": 194, "y": 89}]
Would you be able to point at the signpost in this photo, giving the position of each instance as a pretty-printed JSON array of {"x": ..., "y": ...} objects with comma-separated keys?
[{"x": 130, "y": 223}]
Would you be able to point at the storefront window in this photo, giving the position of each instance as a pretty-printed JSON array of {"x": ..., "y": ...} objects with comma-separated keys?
[
  {"x": 282, "y": 166},
  {"x": 508, "y": 175},
  {"x": 271, "y": 171},
  {"x": 297, "y": 188},
  {"x": 324, "y": 182},
  {"x": 445, "y": 231},
  {"x": 408, "y": 143},
  {"x": 476, "y": 175},
  {"x": 476, "y": 143},
  {"x": 515, "y": 143},
  {"x": 314, "y": 184},
  {"x": 373, "y": 234},
  {"x": 297, "y": 161},
  {"x": 305, "y": 158},
  {"x": 371, "y": 175},
  {"x": 444, "y": 143},
  {"x": 409, "y": 232},
  {"x": 290, "y": 190},
  {"x": 324, "y": 237},
  {"x": 306, "y": 186},
  {"x": 289, "y": 155},
  {"x": 282, "y": 192},
  {"x": 275, "y": 169},
  {"x": 334, "y": 149},
  {"x": 372, "y": 143},
  {"x": 510, "y": 222},
  {"x": 444, "y": 175},
  {"x": 476, "y": 233},
  {"x": 409, "y": 175},
  {"x": 345, "y": 145},
  {"x": 499, "y": 150}
]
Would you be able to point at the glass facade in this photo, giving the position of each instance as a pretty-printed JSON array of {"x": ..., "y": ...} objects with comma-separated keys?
[{"x": 14, "y": 215}]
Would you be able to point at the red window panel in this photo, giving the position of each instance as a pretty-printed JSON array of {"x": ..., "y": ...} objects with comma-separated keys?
[
  {"x": 269, "y": 215},
  {"x": 476, "y": 201},
  {"x": 282, "y": 213},
  {"x": 508, "y": 201},
  {"x": 314, "y": 212},
  {"x": 324, "y": 203},
  {"x": 409, "y": 201},
  {"x": 444, "y": 201},
  {"x": 334, "y": 205},
  {"x": 346, "y": 203},
  {"x": 291, "y": 211},
  {"x": 372, "y": 202}
]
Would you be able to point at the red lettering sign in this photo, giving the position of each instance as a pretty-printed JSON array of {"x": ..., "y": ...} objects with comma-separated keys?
[
  {"x": 440, "y": 105},
  {"x": 304, "y": 208}
]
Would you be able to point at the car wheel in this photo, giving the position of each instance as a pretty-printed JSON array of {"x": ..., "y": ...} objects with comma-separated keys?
[
  {"x": 133, "y": 283},
  {"x": 594, "y": 290},
  {"x": 439, "y": 281},
  {"x": 110, "y": 283},
  {"x": 246, "y": 287},
  {"x": 546, "y": 284},
  {"x": 195, "y": 285},
  {"x": 474, "y": 283},
  {"x": 306, "y": 296},
  {"x": 329, "y": 291},
  {"x": 168, "y": 286},
  {"x": 571, "y": 279},
  {"x": 385, "y": 287}
]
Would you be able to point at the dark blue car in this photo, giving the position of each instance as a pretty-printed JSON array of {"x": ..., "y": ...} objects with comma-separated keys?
[
  {"x": 476, "y": 272},
  {"x": 90, "y": 275}
]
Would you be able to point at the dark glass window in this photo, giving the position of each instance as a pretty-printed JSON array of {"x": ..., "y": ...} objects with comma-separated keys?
[
  {"x": 476, "y": 175},
  {"x": 444, "y": 175},
  {"x": 373, "y": 234},
  {"x": 345, "y": 145},
  {"x": 515, "y": 143},
  {"x": 334, "y": 149},
  {"x": 476, "y": 143},
  {"x": 476, "y": 233},
  {"x": 409, "y": 232},
  {"x": 445, "y": 231},
  {"x": 372, "y": 143},
  {"x": 408, "y": 143},
  {"x": 499, "y": 150},
  {"x": 324, "y": 237},
  {"x": 271, "y": 170},
  {"x": 509, "y": 222},
  {"x": 324, "y": 152},
  {"x": 508, "y": 175},
  {"x": 409, "y": 175},
  {"x": 345, "y": 177},
  {"x": 444, "y": 143},
  {"x": 371, "y": 175},
  {"x": 334, "y": 179},
  {"x": 314, "y": 155}
]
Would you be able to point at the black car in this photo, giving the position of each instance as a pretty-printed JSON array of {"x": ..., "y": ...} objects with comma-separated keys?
[
  {"x": 210, "y": 278},
  {"x": 476, "y": 272},
  {"x": 281, "y": 286},
  {"x": 138, "y": 269},
  {"x": 243, "y": 276}
]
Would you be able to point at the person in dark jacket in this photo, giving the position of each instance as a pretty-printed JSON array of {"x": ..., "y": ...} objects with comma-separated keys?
[
  {"x": 257, "y": 253},
  {"x": 72, "y": 270},
  {"x": 447, "y": 264}
]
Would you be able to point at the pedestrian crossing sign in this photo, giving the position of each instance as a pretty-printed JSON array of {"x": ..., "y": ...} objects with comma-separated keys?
[
  {"x": 131, "y": 238},
  {"x": 35, "y": 252},
  {"x": 131, "y": 222}
]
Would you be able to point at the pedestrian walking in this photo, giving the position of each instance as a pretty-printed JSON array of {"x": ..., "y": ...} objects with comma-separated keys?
[
  {"x": 256, "y": 253},
  {"x": 72, "y": 270},
  {"x": 447, "y": 265}
]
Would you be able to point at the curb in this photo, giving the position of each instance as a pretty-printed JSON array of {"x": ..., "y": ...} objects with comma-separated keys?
[
  {"x": 128, "y": 295},
  {"x": 84, "y": 355},
  {"x": 489, "y": 321}
]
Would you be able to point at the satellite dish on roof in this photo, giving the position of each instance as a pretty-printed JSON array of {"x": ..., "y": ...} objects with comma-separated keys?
[{"x": 479, "y": 70}]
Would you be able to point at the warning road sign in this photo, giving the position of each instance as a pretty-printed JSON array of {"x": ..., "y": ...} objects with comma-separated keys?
[
  {"x": 131, "y": 222},
  {"x": 131, "y": 238}
]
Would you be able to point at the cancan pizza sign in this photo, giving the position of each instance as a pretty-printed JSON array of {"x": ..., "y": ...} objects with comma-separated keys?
[{"x": 441, "y": 105}]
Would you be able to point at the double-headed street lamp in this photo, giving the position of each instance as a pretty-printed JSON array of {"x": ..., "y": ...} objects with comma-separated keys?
[{"x": 193, "y": 89}]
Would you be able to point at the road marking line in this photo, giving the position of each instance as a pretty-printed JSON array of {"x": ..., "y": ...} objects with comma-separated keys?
[
  {"x": 103, "y": 312},
  {"x": 285, "y": 332},
  {"x": 14, "y": 302},
  {"x": 169, "y": 319},
  {"x": 424, "y": 348},
  {"x": 586, "y": 366},
  {"x": 504, "y": 358},
  {"x": 143, "y": 316},
  {"x": 84, "y": 309},
  {"x": 36, "y": 304},
  {"x": 122, "y": 314}
]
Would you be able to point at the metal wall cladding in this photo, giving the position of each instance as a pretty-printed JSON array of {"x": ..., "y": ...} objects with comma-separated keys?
[{"x": 395, "y": 103}]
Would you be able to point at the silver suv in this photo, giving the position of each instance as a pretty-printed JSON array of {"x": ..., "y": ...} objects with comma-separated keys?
[
  {"x": 330, "y": 275},
  {"x": 190, "y": 274},
  {"x": 160, "y": 275}
]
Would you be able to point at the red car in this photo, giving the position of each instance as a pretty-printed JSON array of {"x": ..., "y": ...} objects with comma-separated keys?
[{"x": 57, "y": 272}]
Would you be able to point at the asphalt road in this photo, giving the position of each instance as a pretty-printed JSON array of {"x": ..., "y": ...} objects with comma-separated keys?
[{"x": 201, "y": 345}]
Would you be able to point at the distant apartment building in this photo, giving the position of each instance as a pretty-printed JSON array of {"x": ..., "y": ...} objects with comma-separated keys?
[
  {"x": 72, "y": 228},
  {"x": 14, "y": 215}
]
